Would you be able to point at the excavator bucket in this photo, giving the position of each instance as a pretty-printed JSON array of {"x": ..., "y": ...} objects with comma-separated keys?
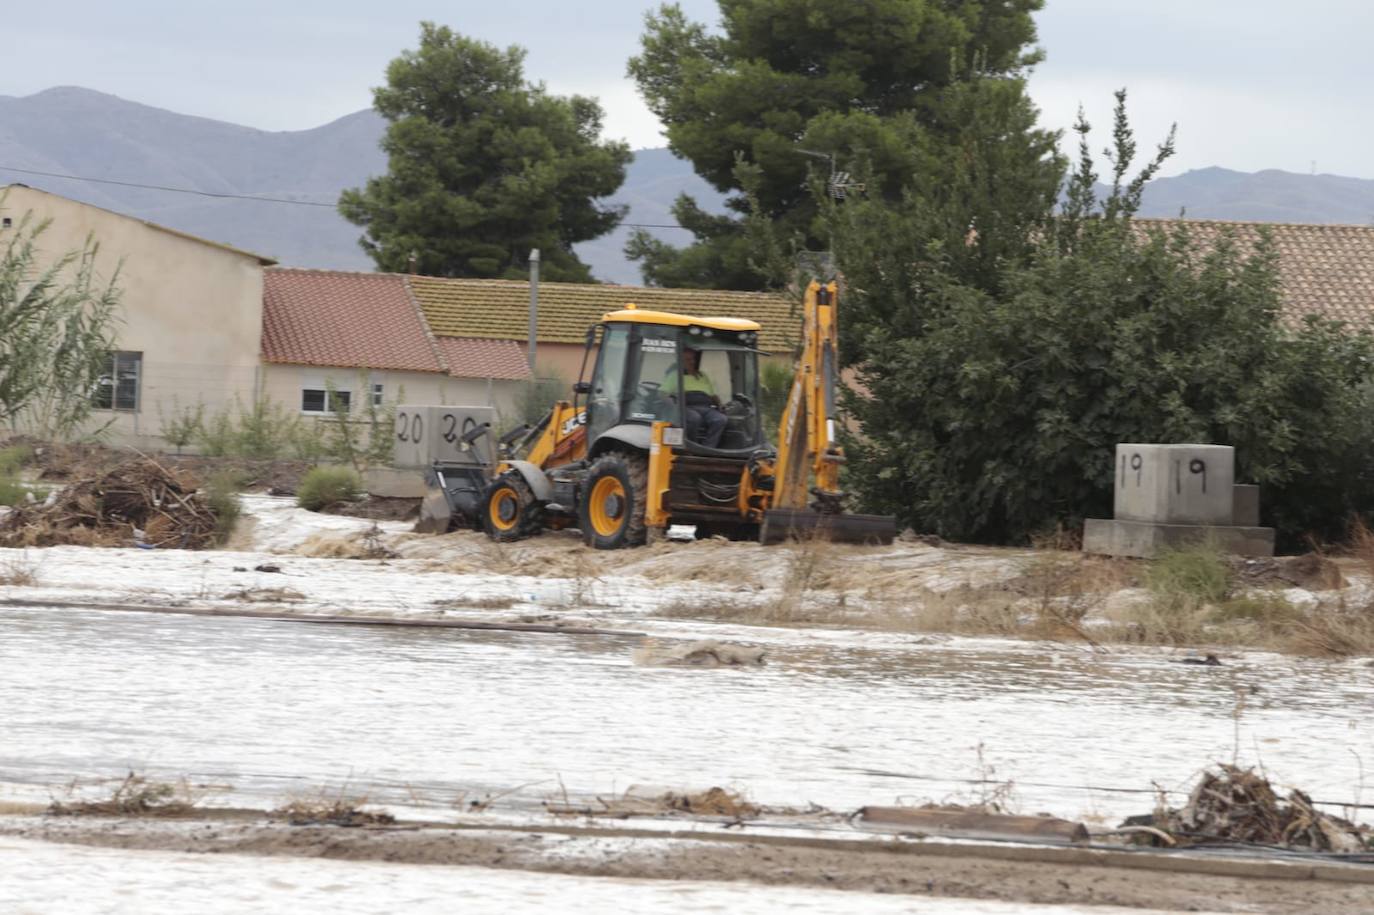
[
  {"x": 436, "y": 515},
  {"x": 453, "y": 497},
  {"x": 781, "y": 524}
]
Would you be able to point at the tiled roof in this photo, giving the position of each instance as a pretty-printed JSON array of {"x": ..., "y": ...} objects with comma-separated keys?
[
  {"x": 1325, "y": 270},
  {"x": 499, "y": 309},
  {"x": 358, "y": 320},
  {"x": 471, "y": 358}
]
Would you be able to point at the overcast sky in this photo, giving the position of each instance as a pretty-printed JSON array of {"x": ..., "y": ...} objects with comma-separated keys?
[{"x": 1253, "y": 84}]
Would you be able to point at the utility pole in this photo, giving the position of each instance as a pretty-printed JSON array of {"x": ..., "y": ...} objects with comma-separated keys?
[{"x": 534, "y": 305}]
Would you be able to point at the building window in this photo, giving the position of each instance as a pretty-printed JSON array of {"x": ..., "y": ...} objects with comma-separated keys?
[
  {"x": 377, "y": 395},
  {"x": 313, "y": 400},
  {"x": 119, "y": 382}
]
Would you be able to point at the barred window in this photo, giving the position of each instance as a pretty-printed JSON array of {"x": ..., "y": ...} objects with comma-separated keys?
[{"x": 119, "y": 383}]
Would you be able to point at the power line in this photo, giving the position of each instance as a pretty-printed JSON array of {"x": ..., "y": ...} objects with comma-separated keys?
[
  {"x": 162, "y": 187},
  {"x": 299, "y": 203}
]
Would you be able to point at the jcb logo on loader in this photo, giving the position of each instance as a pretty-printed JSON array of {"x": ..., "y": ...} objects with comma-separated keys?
[{"x": 572, "y": 422}]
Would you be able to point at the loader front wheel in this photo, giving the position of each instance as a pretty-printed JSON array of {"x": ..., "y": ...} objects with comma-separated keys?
[
  {"x": 611, "y": 512},
  {"x": 508, "y": 509}
]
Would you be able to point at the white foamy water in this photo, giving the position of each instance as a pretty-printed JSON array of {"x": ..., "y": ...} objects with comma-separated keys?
[{"x": 433, "y": 718}]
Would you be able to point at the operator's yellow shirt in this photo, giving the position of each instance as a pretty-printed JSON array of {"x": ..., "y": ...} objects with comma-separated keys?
[{"x": 698, "y": 382}]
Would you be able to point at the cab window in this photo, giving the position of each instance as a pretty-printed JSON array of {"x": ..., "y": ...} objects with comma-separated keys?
[
  {"x": 655, "y": 394},
  {"x": 608, "y": 381}
]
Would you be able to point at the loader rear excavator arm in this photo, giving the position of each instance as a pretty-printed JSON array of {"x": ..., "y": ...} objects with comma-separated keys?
[
  {"x": 807, "y": 499},
  {"x": 807, "y": 447}
]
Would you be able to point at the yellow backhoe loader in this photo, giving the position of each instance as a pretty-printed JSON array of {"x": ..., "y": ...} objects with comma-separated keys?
[{"x": 669, "y": 438}]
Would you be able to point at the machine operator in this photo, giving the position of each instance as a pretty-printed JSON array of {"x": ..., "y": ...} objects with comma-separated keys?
[{"x": 703, "y": 417}]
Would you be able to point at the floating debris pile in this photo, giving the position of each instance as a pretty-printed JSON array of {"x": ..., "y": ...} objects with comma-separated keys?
[
  {"x": 1235, "y": 805},
  {"x": 137, "y": 503}
]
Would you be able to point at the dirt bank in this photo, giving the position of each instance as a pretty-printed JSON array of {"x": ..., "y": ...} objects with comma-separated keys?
[{"x": 884, "y": 865}]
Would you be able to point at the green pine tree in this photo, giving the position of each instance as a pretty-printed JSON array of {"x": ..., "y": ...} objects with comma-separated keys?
[
  {"x": 483, "y": 167},
  {"x": 784, "y": 78}
]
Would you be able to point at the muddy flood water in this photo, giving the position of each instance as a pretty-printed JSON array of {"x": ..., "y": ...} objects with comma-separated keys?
[{"x": 431, "y": 719}]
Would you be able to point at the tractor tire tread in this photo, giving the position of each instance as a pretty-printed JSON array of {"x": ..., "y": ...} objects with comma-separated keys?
[
  {"x": 636, "y": 468},
  {"x": 531, "y": 514}
]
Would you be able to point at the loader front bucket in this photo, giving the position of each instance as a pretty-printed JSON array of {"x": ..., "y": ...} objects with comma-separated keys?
[
  {"x": 436, "y": 517},
  {"x": 780, "y": 524},
  {"x": 453, "y": 497}
]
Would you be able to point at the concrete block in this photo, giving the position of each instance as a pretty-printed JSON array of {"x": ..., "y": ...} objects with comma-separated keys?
[
  {"x": 425, "y": 434},
  {"x": 395, "y": 483},
  {"x": 1245, "y": 504},
  {"x": 1174, "y": 484},
  {"x": 1146, "y": 539}
]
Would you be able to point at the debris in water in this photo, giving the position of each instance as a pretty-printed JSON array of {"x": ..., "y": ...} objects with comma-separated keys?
[
  {"x": 697, "y": 654},
  {"x": 336, "y": 812},
  {"x": 1239, "y": 805},
  {"x": 1210, "y": 660},
  {"x": 139, "y": 502},
  {"x": 136, "y": 795},
  {"x": 266, "y": 595},
  {"x": 713, "y": 802}
]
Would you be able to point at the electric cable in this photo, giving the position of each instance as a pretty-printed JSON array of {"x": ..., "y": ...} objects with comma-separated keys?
[{"x": 260, "y": 199}]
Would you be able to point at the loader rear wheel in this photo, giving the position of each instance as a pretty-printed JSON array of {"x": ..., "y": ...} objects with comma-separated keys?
[
  {"x": 611, "y": 512},
  {"x": 508, "y": 509}
]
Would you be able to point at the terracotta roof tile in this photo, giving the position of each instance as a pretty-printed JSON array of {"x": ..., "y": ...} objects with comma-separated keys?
[
  {"x": 471, "y": 358},
  {"x": 358, "y": 320},
  {"x": 499, "y": 309},
  {"x": 1325, "y": 270}
]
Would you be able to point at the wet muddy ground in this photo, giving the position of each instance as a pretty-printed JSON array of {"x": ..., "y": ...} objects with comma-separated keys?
[{"x": 77, "y": 880}]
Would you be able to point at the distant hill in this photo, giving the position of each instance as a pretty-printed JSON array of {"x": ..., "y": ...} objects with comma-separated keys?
[
  {"x": 75, "y": 131},
  {"x": 81, "y": 132},
  {"x": 1267, "y": 196}
]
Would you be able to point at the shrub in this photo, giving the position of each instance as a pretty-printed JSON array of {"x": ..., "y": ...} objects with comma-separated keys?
[
  {"x": 216, "y": 437},
  {"x": 998, "y": 389},
  {"x": 12, "y": 491},
  {"x": 1261, "y": 608},
  {"x": 326, "y": 485},
  {"x": 12, "y": 459},
  {"x": 222, "y": 495},
  {"x": 359, "y": 434},
  {"x": 308, "y": 441},
  {"x": 183, "y": 426},
  {"x": 264, "y": 431},
  {"x": 1192, "y": 575}
]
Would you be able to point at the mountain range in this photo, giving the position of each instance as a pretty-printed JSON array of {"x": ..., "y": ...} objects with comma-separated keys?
[{"x": 120, "y": 148}]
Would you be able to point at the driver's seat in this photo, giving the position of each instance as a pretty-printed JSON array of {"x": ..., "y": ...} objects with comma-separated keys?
[{"x": 736, "y": 435}]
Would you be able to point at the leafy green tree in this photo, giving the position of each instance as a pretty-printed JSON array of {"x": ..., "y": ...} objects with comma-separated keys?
[
  {"x": 56, "y": 332},
  {"x": 784, "y": 78},
  {"x": 483, "y": 167},
  {"x": 995, "y": 395}
]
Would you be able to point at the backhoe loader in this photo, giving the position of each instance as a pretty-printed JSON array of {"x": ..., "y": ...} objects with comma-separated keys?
[{"x": 666, "y": 433}]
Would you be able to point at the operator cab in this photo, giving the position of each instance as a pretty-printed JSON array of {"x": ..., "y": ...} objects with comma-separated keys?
[{"x": 643, "y": 376}]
